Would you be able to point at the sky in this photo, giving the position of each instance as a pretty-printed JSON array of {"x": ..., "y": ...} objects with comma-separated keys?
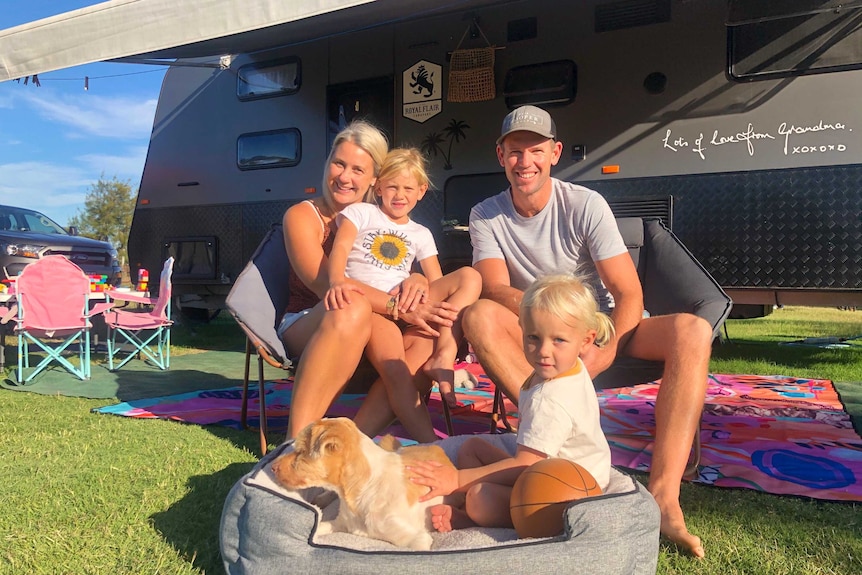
[{"x": 58, "y": 139}]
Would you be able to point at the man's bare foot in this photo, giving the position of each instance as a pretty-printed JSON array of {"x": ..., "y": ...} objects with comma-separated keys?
[
  {"x": 445, "y": 518},
  {"x": 673, "y": 528},
  {"x": 441, "y": 371}
]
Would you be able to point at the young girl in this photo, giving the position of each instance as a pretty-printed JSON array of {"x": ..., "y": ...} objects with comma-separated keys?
[
  {"x": 559, "y": 411},
  {"x": 377, "y": 245}
]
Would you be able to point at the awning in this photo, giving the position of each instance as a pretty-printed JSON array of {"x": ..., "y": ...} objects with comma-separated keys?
[{"x": 155, "y": 28}]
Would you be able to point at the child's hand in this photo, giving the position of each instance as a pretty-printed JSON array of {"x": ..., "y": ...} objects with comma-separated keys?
[
  {"x": 338, "y": 294},
  {"x": 440, "y": 479}
]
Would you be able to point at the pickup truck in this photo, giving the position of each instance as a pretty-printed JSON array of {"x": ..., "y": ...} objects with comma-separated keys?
[{"x": 27, "y": 235}]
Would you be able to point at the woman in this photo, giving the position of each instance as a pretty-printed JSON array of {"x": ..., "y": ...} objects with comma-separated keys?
[{"x": 331, "y": 343}]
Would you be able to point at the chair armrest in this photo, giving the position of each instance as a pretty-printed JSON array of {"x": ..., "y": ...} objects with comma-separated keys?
[
  {"x": 127, "y": 296},
  {"x": 8, "y": 313},
  {"x": 100, "y": 308}
]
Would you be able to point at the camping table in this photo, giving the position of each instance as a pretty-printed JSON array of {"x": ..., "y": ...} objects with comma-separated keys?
[{"x": 7, "y": 298}]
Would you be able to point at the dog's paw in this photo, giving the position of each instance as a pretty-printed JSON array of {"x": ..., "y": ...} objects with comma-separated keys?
[
  {"x": 422, "y": 542},
  {"x": 465, "y": 379},
  {"x": 325, "y": 528}
]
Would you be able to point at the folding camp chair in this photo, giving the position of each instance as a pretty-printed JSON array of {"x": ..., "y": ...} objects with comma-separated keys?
[
  {"x": 148, "y": 332},
  {"x": 52, "y": 298},
  {"x": 673, "y": 281},
  {"x": 257, "y": 301}
]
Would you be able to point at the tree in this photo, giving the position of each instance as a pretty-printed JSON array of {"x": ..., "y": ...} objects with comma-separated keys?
[
  {"x": 107, "y": 213},
  {"x": 432, "y": 145}
]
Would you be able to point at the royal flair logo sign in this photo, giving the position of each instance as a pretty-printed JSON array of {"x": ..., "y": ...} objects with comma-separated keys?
[{"x": 422, "y": 91}]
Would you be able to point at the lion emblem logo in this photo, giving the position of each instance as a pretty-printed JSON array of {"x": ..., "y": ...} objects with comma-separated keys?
[{"x": 422, "y": 80}]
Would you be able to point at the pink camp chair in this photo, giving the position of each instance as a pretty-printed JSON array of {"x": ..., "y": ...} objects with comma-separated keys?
[
  {"x": 155, "y": 346},
  {"x": 52, "y": 297}
]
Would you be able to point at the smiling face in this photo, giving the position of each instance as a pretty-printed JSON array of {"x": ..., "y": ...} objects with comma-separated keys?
[
  {"x": 551, "y": 345},
  {"x": 399, "y": 194},
  {"x": 527, "y": 158},
  {"x": 350, "y": 175}
]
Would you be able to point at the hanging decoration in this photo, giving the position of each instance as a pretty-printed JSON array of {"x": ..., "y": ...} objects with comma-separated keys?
[{"x": 471, "y": 71}]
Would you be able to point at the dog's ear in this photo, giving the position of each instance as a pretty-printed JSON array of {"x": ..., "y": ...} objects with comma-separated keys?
[{"x": 327, "y": 442}]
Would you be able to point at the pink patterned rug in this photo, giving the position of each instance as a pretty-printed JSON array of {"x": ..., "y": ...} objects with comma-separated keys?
[{"x": 776, "y": 434}]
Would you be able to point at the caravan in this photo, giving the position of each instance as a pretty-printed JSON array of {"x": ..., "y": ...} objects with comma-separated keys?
[{"x": 736, "y": 122}]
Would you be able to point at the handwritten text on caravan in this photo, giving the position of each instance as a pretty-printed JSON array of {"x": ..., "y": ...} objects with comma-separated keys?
[{"x": 751, "y": 137}]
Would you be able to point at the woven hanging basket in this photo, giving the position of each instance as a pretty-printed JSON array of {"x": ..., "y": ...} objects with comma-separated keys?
[{"x": 471, "y": 74}]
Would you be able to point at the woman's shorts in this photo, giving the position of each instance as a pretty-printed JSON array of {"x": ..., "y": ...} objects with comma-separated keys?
[{"x": 289, "y": 319}]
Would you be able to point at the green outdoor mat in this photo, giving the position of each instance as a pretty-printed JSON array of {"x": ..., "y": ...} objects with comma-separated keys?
[{"x": 138, "y": 380}]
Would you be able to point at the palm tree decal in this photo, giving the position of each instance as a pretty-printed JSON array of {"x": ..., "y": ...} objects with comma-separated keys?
[{"x": 432, "y": 145}]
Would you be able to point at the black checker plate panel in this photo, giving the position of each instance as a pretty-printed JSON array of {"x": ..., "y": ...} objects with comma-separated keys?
[{"x": 799, "y": 228}]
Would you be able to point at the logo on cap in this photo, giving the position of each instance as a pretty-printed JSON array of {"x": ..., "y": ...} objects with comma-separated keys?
[{"x": 530, "y": 119}]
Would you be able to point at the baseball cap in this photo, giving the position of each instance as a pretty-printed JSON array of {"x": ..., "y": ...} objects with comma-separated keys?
[{"x": 530, "y": 119}]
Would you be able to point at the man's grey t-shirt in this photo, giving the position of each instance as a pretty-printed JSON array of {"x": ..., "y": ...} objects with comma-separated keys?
[{"x": 575, "y": 229}]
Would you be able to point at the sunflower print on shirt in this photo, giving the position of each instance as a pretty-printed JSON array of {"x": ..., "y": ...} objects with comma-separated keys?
[{"x": 388, "y": 250}]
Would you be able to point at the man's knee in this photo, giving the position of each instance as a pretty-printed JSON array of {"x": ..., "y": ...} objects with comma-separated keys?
[
  {"x": 693, "y": 329},
  {"x": 482, "y": 318}
]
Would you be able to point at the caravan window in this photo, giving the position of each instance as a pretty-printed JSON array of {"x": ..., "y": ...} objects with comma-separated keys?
[
  {"x": 777, "y": 40},
  {"x": 268, "y": 79},
  {"x": 273, "y": 149},
  {"x": 541, "y": 84}
]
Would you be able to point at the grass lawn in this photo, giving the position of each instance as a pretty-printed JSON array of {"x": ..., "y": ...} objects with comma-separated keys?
[{"x": 87, "y": 493}]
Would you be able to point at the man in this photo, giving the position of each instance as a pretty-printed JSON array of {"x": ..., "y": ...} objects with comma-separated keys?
[{"x": 541, "y": 225}]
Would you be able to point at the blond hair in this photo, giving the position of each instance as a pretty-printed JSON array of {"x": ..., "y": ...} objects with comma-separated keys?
[
  {"x": 410, "y": 160},
  {"x": 365, "y": 136},
  {"x": 570, "y": 298}
]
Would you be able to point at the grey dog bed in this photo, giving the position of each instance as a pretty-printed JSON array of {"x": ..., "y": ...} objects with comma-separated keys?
[{"x": 266, "y": 529}]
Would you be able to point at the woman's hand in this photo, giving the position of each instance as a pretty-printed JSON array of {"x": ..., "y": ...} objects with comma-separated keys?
[
  {"x": 412, "y": 292},
  {"x": 440, "y": 479},
  {"x": 427, "y": 313},
  {"x": 338, "y": 294}
]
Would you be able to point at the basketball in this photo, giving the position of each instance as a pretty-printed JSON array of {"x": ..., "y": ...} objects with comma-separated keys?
[{"x": 542, "y": 493}]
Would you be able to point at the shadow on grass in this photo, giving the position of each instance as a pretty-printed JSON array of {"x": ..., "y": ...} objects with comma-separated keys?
[
  {"x": 191, "y": 525},
  {"x": 219, "y": 334},
  {"x": 804, "y": 532},
  {"x": 795, "y": 356}
]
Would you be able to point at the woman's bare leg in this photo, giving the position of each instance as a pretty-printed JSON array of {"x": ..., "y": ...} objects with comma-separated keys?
[{"x": 329, "y": 359}]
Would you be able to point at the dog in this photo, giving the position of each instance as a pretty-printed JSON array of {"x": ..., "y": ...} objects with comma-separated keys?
[{"x": 377, "y": 498}]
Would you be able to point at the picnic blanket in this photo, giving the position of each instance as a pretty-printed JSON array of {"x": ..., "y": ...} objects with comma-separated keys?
[{"x": 776, "y": 434}]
